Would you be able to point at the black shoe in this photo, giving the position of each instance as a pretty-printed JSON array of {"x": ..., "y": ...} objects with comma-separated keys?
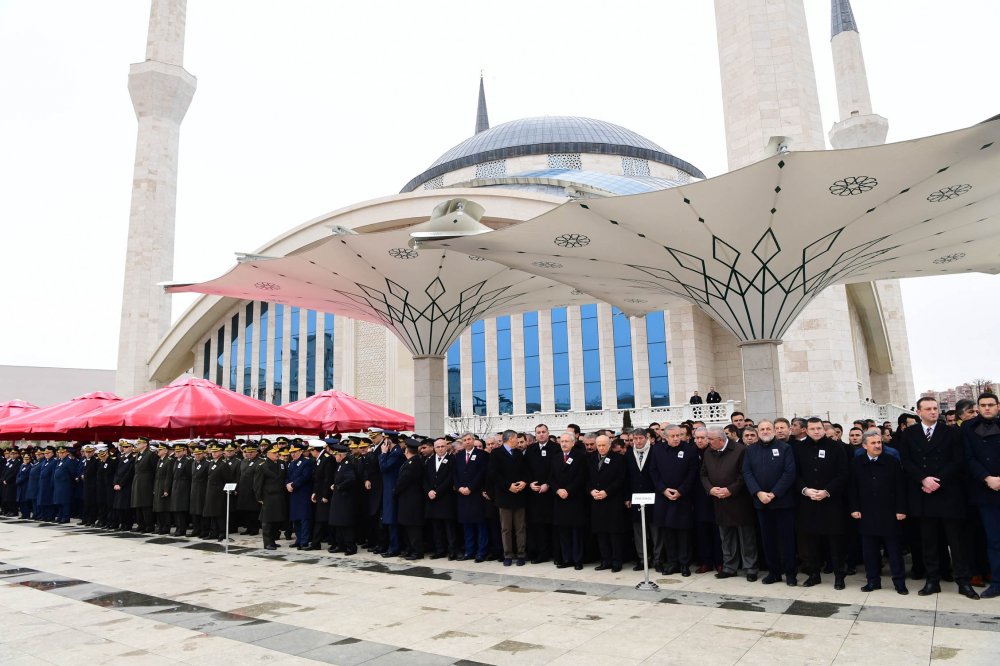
[
  {"x": 751, "y": 578},
  {"x": 966, "y": 591},
  {"x": 838, "y": 583},
  {"x": 770, "y": 579},
  {"x": 507, "y": 561},
  {"x": 792, "y": 582},
  {"x": 270, "y": 546},
  {"x": 578, "y": 567},
  {"x": 463, "y": 558},
  {"x": 725, "y": 574},
  {"x": 901, "y": 589},
  {"x": 351, "y": 551},
  {"x": 929, "y": 589},
  {"x": 602, "y": 566},
  {"x": 520, "y": 562},
  {"x": 438, "y": 556},
  {"x": 615, "y": 568},
  {"x": 992, "y": 591},
  {"x": 638, "y": 567},
  {"x": 479, "y": 560},
  {"x": 871, "y": 587},
  {"x": 391, "y": 554},
  {"x": 314, "y": 546},
  {"x": 539, "y": 560},
  {"x": 685, "y": 571},
  {"x": 814, "y": 579},
  {"x": 414, "y": 556},
  {"x": 563, "y": 565}
]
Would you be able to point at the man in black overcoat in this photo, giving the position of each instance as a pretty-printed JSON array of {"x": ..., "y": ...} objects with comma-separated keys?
[
  {"x": 342, "y": 474},
  {"x": 439, "y": 506},
  {"x": 180, "y": 488},
  {"x": 144, "y": 469},
  {"x": 821, "y": 514},
  {"x": 877, "y": 500},
  {"x": 538, "y": 510},
  {"x": 606, "y": 486},
  {"x": 409, "y": 493},
  {"x": 122, "y": 514},
  {"x": 508, "y": 480},
  {"x": 933, "y": 458},
  {"x": 272, "y": 496}
]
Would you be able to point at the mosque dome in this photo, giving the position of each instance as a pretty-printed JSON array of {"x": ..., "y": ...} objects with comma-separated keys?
[{"x": 552, "y": 136}]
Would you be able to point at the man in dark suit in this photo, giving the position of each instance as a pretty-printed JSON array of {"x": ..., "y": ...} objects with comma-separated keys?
[
  {"x": 712, "y": 397},
  {"x": 122, "y": 516},
  {"x": 695, "y": 399},
  {"x": 877, "y": 500},
  {"x": 639, "y": 481},
  {"x": 722, "y": 479},
  {"x": 606, "y": 485},
  {"x": 439, "y": 505},
  {"x": 538, "y": 511},
  {"x": 469, "y": 480},
  {"x": 932, "y": 455},
  {"x": 769, "y": 472},
  {"x": 569, "y": 504},
  {"x": 982, "y": 451},
  {"x": 822, "y": 483},
  {"x": 674, "y": 471},
  {"x": 507, "y": 477}
]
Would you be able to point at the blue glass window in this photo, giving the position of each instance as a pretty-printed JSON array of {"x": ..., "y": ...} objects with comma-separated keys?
[
  {"x": 591, "y": 357},
  {"x": 327, "y": 352},
  {"x": 505, "y": 373},
  {"x": 279, "y": 342},
  {"x": 234, "y": 336},
  {"x": 220, "y": 358},
  {"x": 532, "y": 372},
  {"x": 624, "y": 380},
  {"x": 479, "y": 368},
  {"x": 247, "y": 347},
  {"x": 455, "y": 379},
  {"x": 293, "y": 357},
  {"x": 560, "y": 360},
  {"x": 206, "y": 369},
  {"x": 262, "y": 354},
  {"x": 310, "y": 353},
  {"x": 656, "y": 345}
]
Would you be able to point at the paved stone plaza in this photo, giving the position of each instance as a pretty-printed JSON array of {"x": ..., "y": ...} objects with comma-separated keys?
[{"x": 71, "y": 595}]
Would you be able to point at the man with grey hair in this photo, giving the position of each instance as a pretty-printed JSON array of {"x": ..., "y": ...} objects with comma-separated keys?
[
  {"x": 507, "y": 477},
  {"x": 722, "y": 478},
  {"x": 674, "y": 472},
  {"x": 769, "y": 472}
]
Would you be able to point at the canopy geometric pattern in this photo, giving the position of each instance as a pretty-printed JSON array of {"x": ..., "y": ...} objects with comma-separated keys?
[
  {"x": 427, "y": 297},
  {"x": 751, "y": 248}
]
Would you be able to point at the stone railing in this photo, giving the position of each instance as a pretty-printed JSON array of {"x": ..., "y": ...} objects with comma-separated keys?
[
  {"x": 717, "y": 413},
  {"x": 880, "y": 413}
]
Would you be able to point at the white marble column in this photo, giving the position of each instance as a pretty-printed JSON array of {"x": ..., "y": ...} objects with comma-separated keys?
[
  {"x": 303, "y": 361},
  {"x": 517, "y": 362},
  {"x": 577, "y": 398},
  {"x": 286, "y": 354},
  {"x": 241, "y": 347},
  {"x": 466, "y": 375},
  {"x": 640, "y": 362},
  {"x": 343, "y": 354},
  {"x": 430, "y": 392},
  {"x": 269, "y": 352},
  {"x": 545, "y": 361},
  {"x": 606, "y": 338},
  {"x": 762, "y": 379}
]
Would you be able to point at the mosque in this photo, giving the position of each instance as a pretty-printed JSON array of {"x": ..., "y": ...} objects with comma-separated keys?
[{"x": 845, "y": 355}]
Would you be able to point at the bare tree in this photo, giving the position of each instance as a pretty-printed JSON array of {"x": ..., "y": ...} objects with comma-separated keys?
[{"x": 982, "y": 386}]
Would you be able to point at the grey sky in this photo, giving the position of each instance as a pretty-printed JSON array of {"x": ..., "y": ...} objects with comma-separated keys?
[{"x": 305, "y": 107}]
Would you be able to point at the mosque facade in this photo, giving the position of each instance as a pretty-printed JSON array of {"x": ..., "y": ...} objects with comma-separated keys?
[{"x": 846, "y": 351}]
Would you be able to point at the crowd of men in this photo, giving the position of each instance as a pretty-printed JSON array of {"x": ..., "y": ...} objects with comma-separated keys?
[{"x": 783, "y": 496}]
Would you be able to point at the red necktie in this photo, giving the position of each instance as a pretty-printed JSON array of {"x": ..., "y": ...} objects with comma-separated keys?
[{"x": 565, "y": 456}]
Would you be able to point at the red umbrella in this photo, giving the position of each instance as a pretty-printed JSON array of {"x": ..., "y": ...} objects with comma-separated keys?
[
  {"x": 190, "y": 407},
  {"x": 340, "y": 412},
  {"x": 40, "y": 423},
  {"x": 14, "y": 408}
]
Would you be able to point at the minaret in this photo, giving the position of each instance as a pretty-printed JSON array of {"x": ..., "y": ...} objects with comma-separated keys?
[
  {"x": 857, "y": 126},
  {"x": 769, "y": 95},
  {"x": 161, "y": 91},
  {"x": 482, "y": 118}
]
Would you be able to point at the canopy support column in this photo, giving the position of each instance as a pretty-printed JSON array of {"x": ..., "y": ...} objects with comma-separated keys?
[
  {"x": 429, "y": 394},
  {"x": 761, "y": 379}
]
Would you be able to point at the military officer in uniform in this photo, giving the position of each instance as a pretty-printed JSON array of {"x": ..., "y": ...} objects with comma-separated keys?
[
  {"x": 247, "y": 509},
  {"x": 409, "y": 494},
  {"x": 299, "y": 482},
  {"x": 219, "y": 474},
  {"x": 63, "y": 476},
  {"x": 180, "y": 488},
  {"x": 144, "y": 470},
  {"x": 272, "y": 496},
  {"x": 199, "y": 484},
  {"x": 341, "y": 493},
  {"x": 163, "y": 480}
]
